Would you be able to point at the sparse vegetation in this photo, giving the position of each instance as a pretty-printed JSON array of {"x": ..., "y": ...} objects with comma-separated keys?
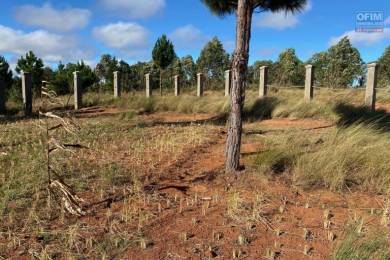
[
  {"x": 191, "y": 173},
  {"x": 99, "y": 173},
  {"x": 373, "y": 244},
  {"x": 324, "y": 144}
]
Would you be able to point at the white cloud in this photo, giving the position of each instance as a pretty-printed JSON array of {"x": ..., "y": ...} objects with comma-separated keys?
[
  {"x": 48, "y": 46},
  {"x": 92, "y": 63},
  {"x": 47, "y": 17},
  {"x": 129, "y": 38},
  {"x": 387, "y": 21},
  {"x": 188, "y": 36},
  {"x": 134, "y": 8},
  {"x": 280, "y": 20},
  {"x": 363, "y": 38}
]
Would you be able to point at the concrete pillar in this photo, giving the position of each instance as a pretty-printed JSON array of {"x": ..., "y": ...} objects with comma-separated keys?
[
  {"x": 2, "y": 95},
  {"x": 117, "y": 84},
  {"x": 228, "y": 78},
  {"x": 27, "y": 93},
  {"x": 309, "y": 80},
  {"x": 78, "y": 95},
  {"x": 372, "y": 71},
  {"x": 263, "y": 81},
  {"x": 177, "y": 85},
  {"x": 147, "y": 83},
  {"x": 199, "y": 91}
]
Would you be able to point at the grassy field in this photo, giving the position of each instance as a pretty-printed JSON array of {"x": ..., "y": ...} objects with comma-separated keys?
[
  {"x": 282, "y": 102},
  {"x": 332, "y": 152}
]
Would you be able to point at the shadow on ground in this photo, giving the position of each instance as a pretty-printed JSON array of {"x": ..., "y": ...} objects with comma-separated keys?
[
  {"x": 349, "y": 114},
  {"x": 261, "y": 109}
]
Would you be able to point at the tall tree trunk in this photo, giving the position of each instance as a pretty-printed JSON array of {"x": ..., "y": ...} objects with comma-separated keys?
[
  {"x": 160, "y": 82},
  {"x": 239, "y": 67}
]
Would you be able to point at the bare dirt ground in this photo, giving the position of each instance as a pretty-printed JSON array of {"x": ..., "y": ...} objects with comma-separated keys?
[
  {"x": 383, "y": 106},
  {"x": 195, "y": 223},
  {"x": 98, "y": 111},
  {"x": 163, "y": 117},
  {"x": 196, "y": 211},
  {"x": 192, "y": 219}
]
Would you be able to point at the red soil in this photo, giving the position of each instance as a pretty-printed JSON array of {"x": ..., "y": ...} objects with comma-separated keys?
[
  {"x": 200, "y": 172},
  {"x": 190, "y": 212}
]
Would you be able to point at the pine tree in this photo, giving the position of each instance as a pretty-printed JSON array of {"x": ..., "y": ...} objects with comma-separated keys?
[
  {"x": 213, "y": 60},
  {"x": 384, "y": 69},
  {"x": 244, "y": 10},
  {"x": 105, "y": 69},
  {"x": 345, "y": 64},
  {"x": 34, "y": 65},
  {"x": 289, "y": 70},
  {"x": 163, "y": 55},
  {"x": 5, "y": 72}
]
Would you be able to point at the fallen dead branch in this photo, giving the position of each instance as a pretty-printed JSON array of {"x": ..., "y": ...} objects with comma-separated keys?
[{"x": 70, "y": 202}]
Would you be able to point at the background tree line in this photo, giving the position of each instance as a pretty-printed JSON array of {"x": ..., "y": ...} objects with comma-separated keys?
[{"x": 338, "y": 67}]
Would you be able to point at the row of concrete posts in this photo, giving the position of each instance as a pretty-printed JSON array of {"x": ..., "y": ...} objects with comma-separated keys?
[
  {"x": 309, "y": 82},
  {"x": 370, "y": 96},
  {"x": 263, "y": 84},
  {"x": 199, "y": 89}
]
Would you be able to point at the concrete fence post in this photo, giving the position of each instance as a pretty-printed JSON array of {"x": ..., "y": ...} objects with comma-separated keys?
[
  {"x": 78, "y": 95},
  {"x": 117, "y": 84},
  {"x": 199, "y": 91},
  {"x": 2, "y": 95},
  {"x": 263, "y": 81},
  {"x": 147, "y": 85},
  {"x": 177, "y": 85},
  {"x": 27, "y": 93},
  {"x": 309, "y": 80},
  {"x": 228, "y": 78},
  {"x": 370, "y": 98}
]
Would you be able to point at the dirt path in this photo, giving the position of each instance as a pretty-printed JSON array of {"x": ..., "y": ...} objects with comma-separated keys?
[
  {"x": 163, "y": 117},
  {"x": 188, "y": 208},
  {"x": 205, "y": 213},
  {"x": 192, "y": 168},
  {"x": 199, "y": 212},
  {"x": 283, "y": 123},
  {"x": 383, "y": 106}
]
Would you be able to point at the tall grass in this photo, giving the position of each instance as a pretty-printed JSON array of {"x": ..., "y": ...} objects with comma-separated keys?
[
  {"x": 353, "y": 245},
  {"x": 286, "y": 105},
  {"x": 280, "y": 103},
  {"x": 184, "y": 103},
  {"x": 355, "y": 157},
  {"x": 358, "y": 155},
  {"x": 383, "y": 95},
  {"x": 286, "y": 102}
]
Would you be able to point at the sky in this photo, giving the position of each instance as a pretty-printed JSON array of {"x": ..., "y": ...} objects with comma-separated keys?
[{"x": 74, "y": 30}]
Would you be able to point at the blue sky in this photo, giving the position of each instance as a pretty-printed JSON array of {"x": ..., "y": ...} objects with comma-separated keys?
[{"x": 70, "y": 30}]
